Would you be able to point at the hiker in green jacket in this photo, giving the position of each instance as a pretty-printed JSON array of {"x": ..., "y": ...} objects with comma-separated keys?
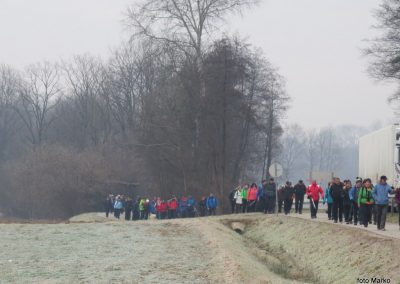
[
  {"x": 365, "y": 202},
  {"x": 244, "y": 198},
  {"x": 142, "y": 208}
]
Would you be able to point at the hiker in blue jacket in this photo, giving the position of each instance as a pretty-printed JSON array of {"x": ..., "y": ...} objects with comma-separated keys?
[
  {"x": 380, "y": 195},
  {"x": 212, "y": 204},
  {"x": 328, "y": 199},
  {"x": 261, "y": 196},
  {"x": 191, "y": 203},
  {"x": 118, "y": 206}
]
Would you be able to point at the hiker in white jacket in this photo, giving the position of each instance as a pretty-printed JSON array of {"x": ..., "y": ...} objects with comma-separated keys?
[{"x": 238, "y": 198}]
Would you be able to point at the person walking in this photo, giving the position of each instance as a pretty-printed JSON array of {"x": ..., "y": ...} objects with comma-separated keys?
[
  {"x": 347, "y": 201},
  {"x": 252, "y": 198},
  {"x": 353, "y": 194},
  {"x": 172, "y": 207},
  {"x": 183, "y": 212},
  {"x": 337, "y": 193},
  {"x": 299, "y": 192},
  {"x": 261, "y": 197},
  {"x": 270, "y": 196},
  {"x": 328, "y": 199},
  {"x": 108, "y": 205},
  {"x": 232, "y": 200},
  {"x": 118, "y": 206},
  {"x": 365, "y": 202},
  {"x": 288, "y": 193},
  {"x": 314, "y": 191},
  {"x": 128, "y": 208},
  {"x": 162, "y": 209},
  {"x": 397, "y": 198},
  {"x": 203, "y": 206},
  {"x": 281, "y": 198},
  {"x": 136, "y": 210},
  {"x": 212, "y": 204},
  {"x": 238, "y": 199},
  {"x": 191, "y": 206},
  {"x": 380, "y": 194},
  {"x": 142, "y": 208},
  {"x": 244, "y": 198}
]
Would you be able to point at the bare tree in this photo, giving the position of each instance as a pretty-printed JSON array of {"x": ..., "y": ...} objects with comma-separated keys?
[
  {"x": 10, "y": 82},
  {"x": 311, "y": 152},
  {"x": 39, "y": 94},
  {"x": 132, "y": 74},
  {"x": 87, "y": 85},
  {"x": 182, "y": 23},
  {"x": 293, "y": 147},
  {"x": 384, "y": 50},
  {"x": 276, "y": 104}
]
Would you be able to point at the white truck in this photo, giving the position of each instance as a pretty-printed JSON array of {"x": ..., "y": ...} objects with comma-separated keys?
[{"x": 379, "y": 154}]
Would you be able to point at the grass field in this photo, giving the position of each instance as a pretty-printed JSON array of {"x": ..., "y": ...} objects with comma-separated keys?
[{"x": 266, "y": 249}]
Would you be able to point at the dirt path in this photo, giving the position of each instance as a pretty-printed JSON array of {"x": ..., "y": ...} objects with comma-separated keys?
[{"x": 392, "y": 230}]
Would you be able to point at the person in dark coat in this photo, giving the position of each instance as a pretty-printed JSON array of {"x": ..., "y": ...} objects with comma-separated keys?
[
  {"x": 288, "y": 195},
  {"x": 337, "y": 193},
  {"x": 108, "y": 205},
  {"x": 232, "y": 200},
  {"x": 347, "y": 201},
  {"x": 261, "y": 197},
  {"x": 203, "y": 206},
  {"x": 135, "y": 210},
  {"x": 128, "y": 208},
  {"x": 299, "y": 192},
  {"x": 270, "y": 196},
  {"x": 281, "y": 198}
]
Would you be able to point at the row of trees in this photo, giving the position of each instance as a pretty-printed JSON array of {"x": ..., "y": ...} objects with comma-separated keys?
[
  {"x": 329, "y": 149},
  {"x": 169, "y": 112}
]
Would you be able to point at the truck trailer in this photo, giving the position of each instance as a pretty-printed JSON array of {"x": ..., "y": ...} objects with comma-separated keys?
[{"x": 379, "y": 154}]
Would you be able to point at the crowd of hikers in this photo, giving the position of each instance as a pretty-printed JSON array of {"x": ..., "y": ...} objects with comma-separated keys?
[
  {"x": 360, "y": 204},
  {"x": 143, "y": 208}
]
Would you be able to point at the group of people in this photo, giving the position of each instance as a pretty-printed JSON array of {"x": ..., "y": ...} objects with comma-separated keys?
[
  {"x": 263, "y": 198},
  {"x": 143, "y": 208},
  {"x": 361, "y": 204}
]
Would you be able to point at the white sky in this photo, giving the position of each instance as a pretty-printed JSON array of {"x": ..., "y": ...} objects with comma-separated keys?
[{"x": 315, "y": 43}]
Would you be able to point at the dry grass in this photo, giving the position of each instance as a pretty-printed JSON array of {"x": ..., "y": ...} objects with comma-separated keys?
[{"x": 269, "y": 249}]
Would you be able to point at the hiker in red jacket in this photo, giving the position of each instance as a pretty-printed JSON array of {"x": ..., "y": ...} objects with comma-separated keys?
[
  {"x": 172, "y": 207},
  {"x": 162, "y": 209},
  {"x": 252, "y": 198},
  {"x": 313, "y": 193}
]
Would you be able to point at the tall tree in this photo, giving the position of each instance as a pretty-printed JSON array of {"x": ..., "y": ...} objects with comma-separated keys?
[
  {"x": 182, "y": 23},
  {"x": 384, "y": 50},
  {"x": 10, "y": 83},
  {"x": 39, "y": 94}
]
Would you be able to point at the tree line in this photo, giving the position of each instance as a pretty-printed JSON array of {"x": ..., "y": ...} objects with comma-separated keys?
[{"x": 177, "y": 109}]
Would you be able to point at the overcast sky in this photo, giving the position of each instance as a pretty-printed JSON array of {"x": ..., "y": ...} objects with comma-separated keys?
[{"x": 316, "y": 44}]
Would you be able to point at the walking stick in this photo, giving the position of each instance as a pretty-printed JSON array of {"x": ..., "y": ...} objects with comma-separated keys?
[{"x": 312, "y": 201}]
